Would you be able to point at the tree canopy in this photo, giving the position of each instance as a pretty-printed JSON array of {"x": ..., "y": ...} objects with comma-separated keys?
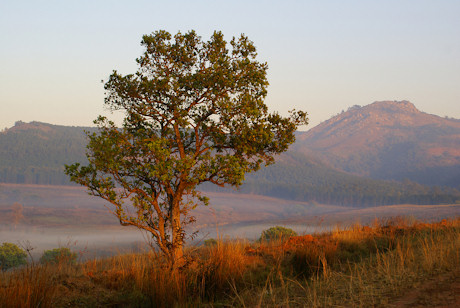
[{"x": 194, "y": 113}]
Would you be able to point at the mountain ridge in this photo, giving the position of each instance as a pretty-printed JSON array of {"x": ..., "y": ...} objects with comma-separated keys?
[{"x": 387, "y": 140}]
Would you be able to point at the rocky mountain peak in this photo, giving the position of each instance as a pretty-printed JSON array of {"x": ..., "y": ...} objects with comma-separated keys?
[
  {"x": 366, "y": 119},
  {"x": 31, "y": 126},
  {"x": 389, "y": 140},
  {"x": 393, "y": 107}
]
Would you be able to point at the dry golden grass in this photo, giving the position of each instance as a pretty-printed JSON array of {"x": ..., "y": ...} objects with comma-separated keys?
[
  {"x": 356, "y": 267},
  {"x": 28, "y": 287}
]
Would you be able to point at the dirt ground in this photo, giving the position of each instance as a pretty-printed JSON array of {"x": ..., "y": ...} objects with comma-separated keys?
[{"x": 439, "y": 291}]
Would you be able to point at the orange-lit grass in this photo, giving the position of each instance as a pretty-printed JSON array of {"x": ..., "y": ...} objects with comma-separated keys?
[
  {"x": 31, "y": 286},
  {"x": 386, "y": 259},
  {"x": 358, "y": 266},
  {"x": 206, "y": 274},
  {"x": 415, "y": 252}
]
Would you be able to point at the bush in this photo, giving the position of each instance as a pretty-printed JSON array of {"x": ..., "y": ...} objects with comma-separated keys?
[
  {"x": 277, "y": 233},
  {"x": 11, "y": 256},
  {"x": 58, "y": 256},
  {"x": 210, "y": 242}
]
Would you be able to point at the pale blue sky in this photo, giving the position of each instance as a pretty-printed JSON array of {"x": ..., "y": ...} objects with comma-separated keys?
[{"x": 323, "y": 56}]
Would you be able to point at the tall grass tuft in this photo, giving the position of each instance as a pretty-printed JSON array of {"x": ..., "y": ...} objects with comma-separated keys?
[
  {"x": 31, "y": 286},
  {"x": 208, "y": 274}
]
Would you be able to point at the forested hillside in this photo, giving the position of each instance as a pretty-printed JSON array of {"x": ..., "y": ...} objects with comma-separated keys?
[
  {"x": 297, "y": 177},
  {"x": 35, "y": 153},
  {"x": 303, "y": 179}
]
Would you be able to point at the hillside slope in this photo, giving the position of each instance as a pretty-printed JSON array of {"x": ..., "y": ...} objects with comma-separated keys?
[{"x": 388, "y": 140}]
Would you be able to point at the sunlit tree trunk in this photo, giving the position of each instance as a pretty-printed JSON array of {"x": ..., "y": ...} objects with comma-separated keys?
[{"x": 177, "y": 241}]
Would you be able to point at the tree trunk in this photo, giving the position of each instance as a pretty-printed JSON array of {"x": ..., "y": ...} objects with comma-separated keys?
[
  {"x": 177, "y": 252},
  {"x": 178, "y": 257}
]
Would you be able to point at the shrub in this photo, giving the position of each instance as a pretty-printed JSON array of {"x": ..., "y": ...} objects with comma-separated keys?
[
  {"x": 277, "y": 233},
  {"x": 11, "y": 256},
  {"x": 58, "y": 256},
  {"x": 210, "y": 242}
]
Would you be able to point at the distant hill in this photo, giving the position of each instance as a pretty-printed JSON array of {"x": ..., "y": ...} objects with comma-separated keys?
[
  {"x": 35, "y": 153},
  {"x": 388, "y": 140}
]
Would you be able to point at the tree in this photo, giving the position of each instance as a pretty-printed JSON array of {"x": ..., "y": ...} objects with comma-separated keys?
[
  {"x": 58, "y": 256},
  {"x": 11, "y": 256},
  {"x": 194, "y": 113}
]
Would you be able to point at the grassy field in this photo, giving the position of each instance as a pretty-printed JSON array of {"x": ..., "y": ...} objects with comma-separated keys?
[{"x": 361, "y": 266}]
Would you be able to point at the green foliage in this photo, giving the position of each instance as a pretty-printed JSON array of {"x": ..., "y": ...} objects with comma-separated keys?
[
  {"x": 11, "y": 256},
  {"x": 194, "y": 113},
  {"x": 58, "y": 256},
  {"x": 210, "y": 242},
  {"x": 277, "y": 233}
]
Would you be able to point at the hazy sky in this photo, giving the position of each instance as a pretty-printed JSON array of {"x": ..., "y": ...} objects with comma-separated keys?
[{"x": 323, "y": 56}]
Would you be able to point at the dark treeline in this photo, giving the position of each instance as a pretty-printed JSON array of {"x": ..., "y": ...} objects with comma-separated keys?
[
  {"x": 297, "y": 177},
  {"x": 35, "y": 153},
  {"x": 34, "y": 175},
  {"x": 355, "y": 193}
]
